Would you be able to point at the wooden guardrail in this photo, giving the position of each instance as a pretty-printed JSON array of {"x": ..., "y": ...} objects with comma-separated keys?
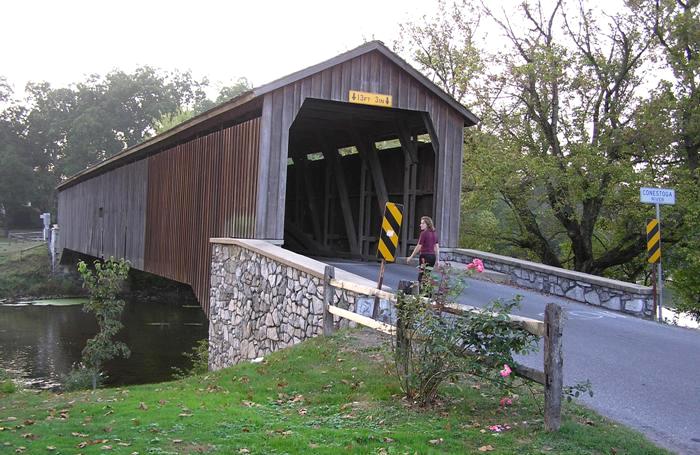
[{"x": 550, "y": 329}]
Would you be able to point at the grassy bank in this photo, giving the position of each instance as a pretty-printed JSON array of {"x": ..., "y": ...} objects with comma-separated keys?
[
  {"x": 327, "y": 395},
  {"x": 25, "y": 271}
]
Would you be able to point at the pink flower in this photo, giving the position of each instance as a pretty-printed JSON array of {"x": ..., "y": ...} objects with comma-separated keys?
[
  {"x": 506, "y": 401},
  {"x": 476, "y": 264},
  {"x": 505, "y": 372}
]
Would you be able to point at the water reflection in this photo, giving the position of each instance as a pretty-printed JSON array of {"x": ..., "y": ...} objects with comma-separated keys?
[{"x": 41, "y": 343}]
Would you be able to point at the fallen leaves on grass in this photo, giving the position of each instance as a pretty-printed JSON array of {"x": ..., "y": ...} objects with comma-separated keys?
[
  {"x": 249, "y": 404},
  {"x": 499, "y": 428},
  {"x": 486, "y": 448}
]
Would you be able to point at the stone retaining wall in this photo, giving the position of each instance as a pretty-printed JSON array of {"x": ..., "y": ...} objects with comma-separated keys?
[
  {"x": 582, "y": 287},
  {"x": 264, "y": 298}
]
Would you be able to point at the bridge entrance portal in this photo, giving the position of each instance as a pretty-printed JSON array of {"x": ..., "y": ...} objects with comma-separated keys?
[{"x": 345, "y": 162}]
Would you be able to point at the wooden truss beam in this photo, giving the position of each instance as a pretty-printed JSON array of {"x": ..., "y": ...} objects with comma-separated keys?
[
  {"x": 311, "y": 199},
  {"x": 368, "y": 153},
  {"x": 330, "y": 153},
  {"x": 409, "y": 145}
]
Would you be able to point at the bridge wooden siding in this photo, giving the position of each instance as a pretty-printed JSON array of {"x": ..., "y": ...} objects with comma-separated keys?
[
  {"x": 106, "y": 215},
  {"x": 160, "y": 212},
  {"x": 376, "y": 72},
  {"x": 224, "y": 172},
  {"x": 198, "y": 190}
]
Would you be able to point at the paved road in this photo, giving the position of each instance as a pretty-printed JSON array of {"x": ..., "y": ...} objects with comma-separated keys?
[{"x": 645, "y": 375}]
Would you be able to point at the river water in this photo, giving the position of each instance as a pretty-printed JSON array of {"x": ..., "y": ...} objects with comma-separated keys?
[{"x": 40, "y": 342}]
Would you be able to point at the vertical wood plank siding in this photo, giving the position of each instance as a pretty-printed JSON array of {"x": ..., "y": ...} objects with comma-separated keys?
[
  {"x": 371, "y": 72},
  {"x": 118, "y": 229},
  {"x": 197, "y": 190}
]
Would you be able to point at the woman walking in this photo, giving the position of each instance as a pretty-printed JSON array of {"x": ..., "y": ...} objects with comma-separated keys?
[{"x": 427, "y": 246}]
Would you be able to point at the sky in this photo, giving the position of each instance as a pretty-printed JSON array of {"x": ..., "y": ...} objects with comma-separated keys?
[{"x": 63, "y": 42}]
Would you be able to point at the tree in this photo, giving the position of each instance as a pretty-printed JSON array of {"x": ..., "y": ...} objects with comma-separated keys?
[
  {"x": 676, "y": 26},
  {"x": 171, "y": 120},
  {"x": 104, "y": 284},
  {"x": 56, "y": 132},
  {"x": 16, "y": 173},
  {"x": 554, "y": 155},
  {"x": 229, "y": 92}
]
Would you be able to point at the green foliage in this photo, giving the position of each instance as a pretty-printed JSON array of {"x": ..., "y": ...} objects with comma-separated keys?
[
  {"x": 676, "y": 27},
  {"x": 199, "y": 361},
  {"x": 433, "y": 347},
  {"x": 82, "y": 378},
  {"x": 169, "y": 121},
  {"x": 229, "y": 92},
  {"x": 104, "y": 284},
  {"x": 686, "y": 263},
  {"x": 7, "y": 385},
  {"x": 570, "y": 131},
  {"x": 55, "y": 132}
]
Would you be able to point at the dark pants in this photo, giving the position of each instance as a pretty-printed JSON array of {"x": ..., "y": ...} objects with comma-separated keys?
[{"x": 425, "y": 260}]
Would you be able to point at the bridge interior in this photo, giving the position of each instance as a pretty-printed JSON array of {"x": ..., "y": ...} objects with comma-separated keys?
[{"x": 345, "y": 162}]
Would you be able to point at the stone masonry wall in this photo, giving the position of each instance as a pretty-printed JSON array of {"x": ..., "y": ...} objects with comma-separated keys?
[
  {"x": 260, "y": 304},
  {"x": 582, "y": 287}
]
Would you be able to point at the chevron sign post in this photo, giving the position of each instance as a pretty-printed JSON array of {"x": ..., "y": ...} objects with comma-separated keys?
[
  {"x": 389, "y": 237},
  {"x": 656, "y": 196},
  {"x": 388, "y": 243}
]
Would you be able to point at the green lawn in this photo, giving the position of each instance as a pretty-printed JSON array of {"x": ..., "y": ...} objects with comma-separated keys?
[{"x": 327, "y": 395}]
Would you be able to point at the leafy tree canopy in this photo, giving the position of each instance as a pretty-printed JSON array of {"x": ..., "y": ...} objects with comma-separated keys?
[
  {"x": 570, "y": 128},
  {"x": 53, "y": 133}
]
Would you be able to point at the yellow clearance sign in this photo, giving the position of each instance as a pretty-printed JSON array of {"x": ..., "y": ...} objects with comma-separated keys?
[
  {"x": 372, "y": 99},
  {"x": 391, "y": 226},
  {"x": 653, "y": 241}
]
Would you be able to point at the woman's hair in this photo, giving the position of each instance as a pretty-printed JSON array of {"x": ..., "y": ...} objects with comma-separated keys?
[{"x": 428, "y": 222}]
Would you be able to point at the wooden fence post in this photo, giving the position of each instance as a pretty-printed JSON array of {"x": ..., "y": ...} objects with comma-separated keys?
[
  {"x": 553, "y": 367},
  {"x": 328, "y": 294},
  {"x": 403, "y": 342}
]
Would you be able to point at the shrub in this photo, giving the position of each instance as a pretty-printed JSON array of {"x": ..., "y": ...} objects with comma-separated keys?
[
  {"x": 199, "y": 361},
  {"x": 104, "y": 284},
  {"x": 433, "y": 347},
  {"x": 7, "y": 385},
  {"x": 82, "y": 378}
]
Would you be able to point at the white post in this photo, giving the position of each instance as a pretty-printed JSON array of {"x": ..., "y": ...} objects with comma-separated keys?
[
  {"x": 53, "y": 246},
  {"x": 46, "y": 218}
]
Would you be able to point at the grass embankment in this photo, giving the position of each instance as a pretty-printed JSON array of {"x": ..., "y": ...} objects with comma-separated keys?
[
  {"x": 327, "y": 395},
  {"x": 25, "y": 272}
]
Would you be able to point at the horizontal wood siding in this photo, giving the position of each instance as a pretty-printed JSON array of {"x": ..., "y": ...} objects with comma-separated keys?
[
  {"x": 118, "y": 229},
  {"x": 371, "y": 72},
  {"x": 201, "y": 189}
]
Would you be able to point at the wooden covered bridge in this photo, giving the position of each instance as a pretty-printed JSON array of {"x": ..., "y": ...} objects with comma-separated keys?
[{"x": 307, "y": 161}]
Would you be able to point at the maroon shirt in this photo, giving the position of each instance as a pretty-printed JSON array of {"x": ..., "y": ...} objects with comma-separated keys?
[{"x": 427, "y": 241}]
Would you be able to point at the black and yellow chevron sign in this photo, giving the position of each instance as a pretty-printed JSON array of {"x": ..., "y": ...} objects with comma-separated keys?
[
  {"x": 391, "y": 226},
  {"x": 653, "y": 241}
]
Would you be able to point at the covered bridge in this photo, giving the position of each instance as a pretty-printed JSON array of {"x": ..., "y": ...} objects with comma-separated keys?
[{"x": 307, "y": 161}]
